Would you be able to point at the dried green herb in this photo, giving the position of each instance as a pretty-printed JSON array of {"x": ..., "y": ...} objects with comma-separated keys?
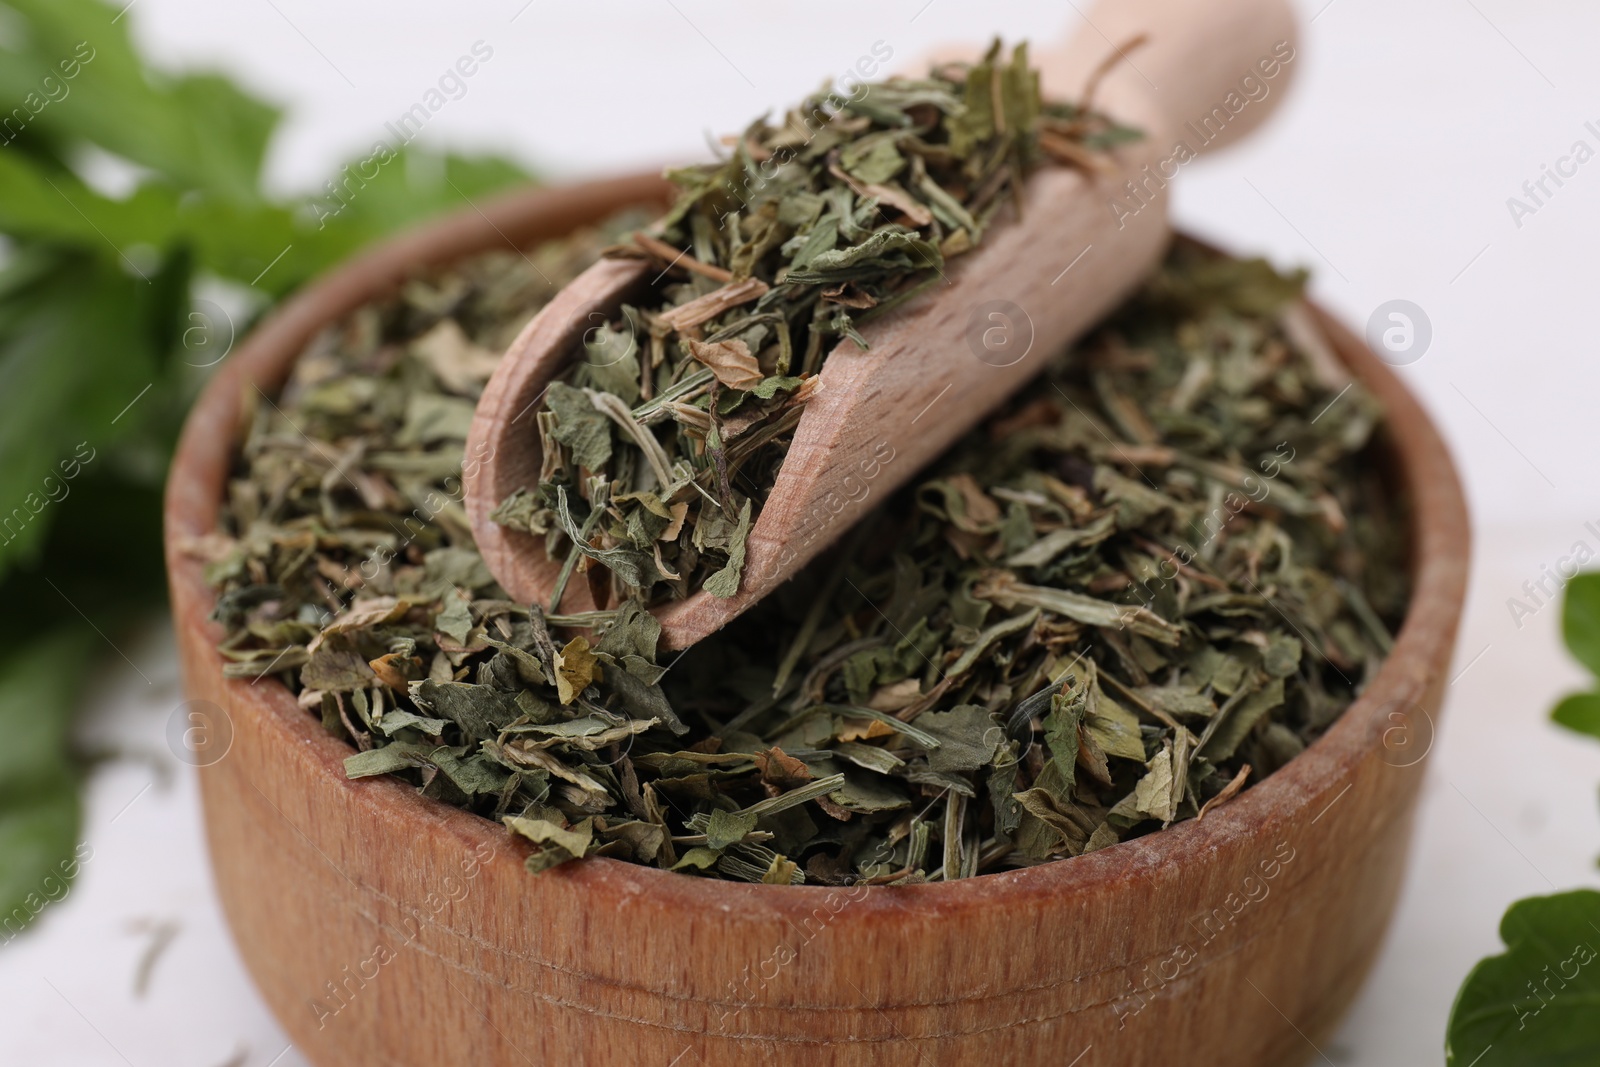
[
  {"x": 665, "y": 438},
  {"x": 1150, "y": 580}
]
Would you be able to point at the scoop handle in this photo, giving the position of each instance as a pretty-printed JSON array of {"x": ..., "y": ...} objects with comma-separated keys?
[{"x": 1211, "y": 70}]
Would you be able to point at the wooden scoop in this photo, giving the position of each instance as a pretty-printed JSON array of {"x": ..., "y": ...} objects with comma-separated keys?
[{"x": 1208, "y": 71}]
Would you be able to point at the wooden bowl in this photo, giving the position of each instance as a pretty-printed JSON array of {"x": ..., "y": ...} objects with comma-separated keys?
[{"x": 387, "y": 929}]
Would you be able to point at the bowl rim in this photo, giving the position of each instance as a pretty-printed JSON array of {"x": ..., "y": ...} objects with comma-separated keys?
[{"x": 1321, "y": 775}]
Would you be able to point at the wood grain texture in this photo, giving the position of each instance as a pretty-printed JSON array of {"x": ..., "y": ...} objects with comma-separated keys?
[
  {"x": 387, "y": 930},
  {"x": 932, "y": 371}
]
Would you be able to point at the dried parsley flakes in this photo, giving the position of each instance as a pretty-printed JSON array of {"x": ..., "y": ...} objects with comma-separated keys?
[{"x": 1149, "y": 581}]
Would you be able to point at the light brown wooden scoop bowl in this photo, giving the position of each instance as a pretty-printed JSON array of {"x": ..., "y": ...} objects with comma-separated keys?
[{"x": 938, "y": 365}]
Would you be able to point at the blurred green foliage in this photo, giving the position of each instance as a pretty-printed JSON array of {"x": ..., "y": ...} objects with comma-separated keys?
[{"x": 102, "y": 347}]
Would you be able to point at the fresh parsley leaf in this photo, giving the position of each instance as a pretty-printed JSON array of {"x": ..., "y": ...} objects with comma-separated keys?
[
  {"x": 95, "y": 302},
  {"x": 1580, "y": 620},
  {"x": 198, "y": 132},
  {"x": 38, "y": 785},
  {"x": 76, "y": 349},
  {"x": 1580, "y": 712},
  {"x": 1538, "y": 1003}
]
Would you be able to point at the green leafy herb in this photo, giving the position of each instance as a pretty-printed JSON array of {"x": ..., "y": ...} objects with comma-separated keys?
[
  {"x": 38, "y": 780},
  {"x": 104, "y": 340},
  {"x": 1537, "y": 1004},
  {"x": 1580, "y": 620}
]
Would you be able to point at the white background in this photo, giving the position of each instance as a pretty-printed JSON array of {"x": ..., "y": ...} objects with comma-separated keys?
[{"x": 1387, "y": 171}]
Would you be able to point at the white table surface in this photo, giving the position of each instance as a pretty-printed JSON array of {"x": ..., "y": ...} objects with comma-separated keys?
[{"x": 1387, "y": 173}]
